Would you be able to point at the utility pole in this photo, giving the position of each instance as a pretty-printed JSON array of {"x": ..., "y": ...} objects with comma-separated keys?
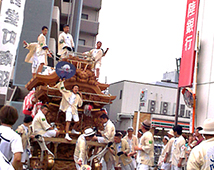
[
  {"x": 177, "y": 105},
  {"x": 178, "y": 63}
]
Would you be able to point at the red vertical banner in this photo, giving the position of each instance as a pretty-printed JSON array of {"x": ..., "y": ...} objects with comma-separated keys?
[{"x": 189, "y": 39}]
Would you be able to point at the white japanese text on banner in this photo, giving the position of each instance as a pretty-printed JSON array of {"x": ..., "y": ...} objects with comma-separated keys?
[{"x": 11, "y": 21}]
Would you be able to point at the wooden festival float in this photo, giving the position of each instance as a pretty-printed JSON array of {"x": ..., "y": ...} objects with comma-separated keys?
[{"x": 92, "y": 94}]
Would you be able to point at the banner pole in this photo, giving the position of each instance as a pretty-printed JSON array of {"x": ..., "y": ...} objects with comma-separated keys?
[{"x": 177, "y": 105}]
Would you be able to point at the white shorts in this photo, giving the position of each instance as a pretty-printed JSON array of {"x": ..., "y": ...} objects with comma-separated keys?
[
  {"x": 165, "y": 166},
  {"x": 34, "y": 69},
  {"x": 41, "y": 59},
  {"x": 98, "y": 65},
  {"x": 35, "y": 64},
  {"x": 69, "y": 115},
  {"x": 50, "y": 134}
]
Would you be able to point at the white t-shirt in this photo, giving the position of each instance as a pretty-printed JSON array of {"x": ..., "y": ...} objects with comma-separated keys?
[
  {"x": 41, "y": 42},
  {"x": 4, "y": 163},
  {"x": 67, "y": 38},
  {"x": 130, "y": 143},
  {"x": 72, "y": 98},
  {"x": 97, "y": 54},
  {"x": 10, "y": 142},
  {"x": 119, "y": 147},
  {"x": 71, "y": 101},
  {"x": 95, "y": 51}
]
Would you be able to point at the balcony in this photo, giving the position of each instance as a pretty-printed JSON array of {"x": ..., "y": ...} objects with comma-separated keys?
[
  {"x": 84, "y": 48},
  {"x": 65, "y": 8},
  {"x": 90, "y": 27},
  {"x": 94, "y": 4}
]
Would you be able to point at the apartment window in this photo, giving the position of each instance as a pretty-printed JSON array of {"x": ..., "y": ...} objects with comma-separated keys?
[
  {"x": 81, "y": 42},
  {"x": 61, "y": 27},
  {"x": 84, "y": 16},
  {"x": 67, "y": 0},
  {"x": 121, "y": 94}
]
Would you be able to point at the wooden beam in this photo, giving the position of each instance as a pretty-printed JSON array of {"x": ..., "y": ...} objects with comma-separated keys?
[{"x": 73, "y": 142}]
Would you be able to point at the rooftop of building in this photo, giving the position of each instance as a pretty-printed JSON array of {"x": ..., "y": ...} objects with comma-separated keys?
[{"x": 167, "y": 84}]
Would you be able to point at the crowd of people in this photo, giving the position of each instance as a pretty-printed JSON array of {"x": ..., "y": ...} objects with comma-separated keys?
[{"x": 127, "y": 153}]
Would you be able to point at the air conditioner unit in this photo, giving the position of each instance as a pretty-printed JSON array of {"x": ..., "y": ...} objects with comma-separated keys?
[
  {"x": 124, "y": 116},
  {"x": 151, "y": 106},
  {"x": 165, "y": 108},
  {"x": 182, "y": 110}
]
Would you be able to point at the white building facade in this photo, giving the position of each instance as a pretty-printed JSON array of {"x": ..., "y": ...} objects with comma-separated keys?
[
  {"x": 205, "y": 74},
  {"x": 158, "y": 100}
]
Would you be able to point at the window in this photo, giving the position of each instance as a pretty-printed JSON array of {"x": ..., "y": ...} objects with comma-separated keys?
[
  {"x": 84, "y": 16},
  {"x": 61, "y": 27},
  {"x": 188, "y": 113},
  {"x": 81, "y": 42},
  {"x": 121, "y": 93},
  {"x": 182, "y": 110}
]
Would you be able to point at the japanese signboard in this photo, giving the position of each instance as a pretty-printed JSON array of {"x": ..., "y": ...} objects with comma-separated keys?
[
  {"x": 11, "y": 21},
  {"x": 189, "y": 39}
]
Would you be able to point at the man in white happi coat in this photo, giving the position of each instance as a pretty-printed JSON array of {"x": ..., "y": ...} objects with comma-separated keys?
[
  {"x": 132, "y": 141},
  {"x": 161, "y": 163},
  {"x": 38, "y": 52},
  {"x": 65, "y": 42},
  {"x": 145, "y": 148},
  {"x": 96, "y": 56},
  {"x": 202, "y": 156},
  {"x": 107, "y": 136},
  {"x": 120, "y": 149},
  {"x": 32, "y": 56},
  {"x": 69, "y": 104},
  {"x": 81, "y": 148},
  {"x": 178, "y": 149},
  {"x": 42, "y": 50},
  {"x": 166, "y": 165},
  {"x": 41, "y": 126}
]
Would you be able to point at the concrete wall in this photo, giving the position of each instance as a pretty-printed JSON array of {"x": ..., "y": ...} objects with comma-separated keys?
[
  {"x": 205, "y": 88},
  {"x": 92, "y": 14},
  {"x": 158, "y": 93},
  {"x": 18, "y": 106},
  {"x": 89, "y": 39},
  {"x": 117, "y": 103},
  {"x": 37, "y": 14}
]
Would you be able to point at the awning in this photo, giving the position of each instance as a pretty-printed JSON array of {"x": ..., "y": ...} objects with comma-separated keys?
[{"x": 163, "y": 123}]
